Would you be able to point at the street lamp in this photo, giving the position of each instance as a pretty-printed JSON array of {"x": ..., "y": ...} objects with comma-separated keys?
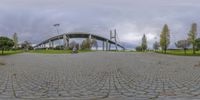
[{"x": 56, "y": 26}]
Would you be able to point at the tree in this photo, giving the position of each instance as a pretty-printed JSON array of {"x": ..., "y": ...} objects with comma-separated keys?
[
  {"x": 198, "y": 43},
  {"x": 89, "y": 43},
  {"x": 26, "y": 46},
  {"x": 5, "y": 43},
  {"x": 59, "y": 47},
  {"x": 165, "y": 38},
  {"x": 144, "y": 43},
  {"x": 94, "y": 43},
  {"x": 138, "y": 48},
  {"x": 192, "y": 35},
  {"x": 86, "y": 44},
  {"x": 72, "y": 45},
  {"x": 156, "y": 46},
  {"x": 184, "y": 44},
  {"x": 15, "y": 40}
]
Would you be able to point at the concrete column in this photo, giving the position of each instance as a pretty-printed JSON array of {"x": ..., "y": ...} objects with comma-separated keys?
[
  {"x": 90, "y": 39},
  {"x": 50, "y": 44},
  {"x": 65, "y": 41},
  {"x": 44, "y": 45},
  {"x": 116, "y": 46},
  {"x": 103, "y": 46},
  {"x": 109, "y": 46},
  {"x": 106, "y": 45}
]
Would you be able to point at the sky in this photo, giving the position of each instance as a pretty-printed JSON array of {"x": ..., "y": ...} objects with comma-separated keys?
[{"x": 33, "y": 20}]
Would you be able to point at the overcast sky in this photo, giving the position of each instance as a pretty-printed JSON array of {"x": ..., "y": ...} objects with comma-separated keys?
[{"x": 33, "y": 19}]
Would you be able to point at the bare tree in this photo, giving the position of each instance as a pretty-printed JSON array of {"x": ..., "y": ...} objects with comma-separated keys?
[
  {"x": 156, "y": 46},
  {"x": 184, "y": 44},
  {"x": 94, "y": 43}
]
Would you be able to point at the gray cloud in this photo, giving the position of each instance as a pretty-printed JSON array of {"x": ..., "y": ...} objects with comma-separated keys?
[{"x": 33, "y": 19}]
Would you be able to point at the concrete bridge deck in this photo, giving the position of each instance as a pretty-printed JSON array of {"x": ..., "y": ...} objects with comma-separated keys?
[{"x": 105, "y": 42}]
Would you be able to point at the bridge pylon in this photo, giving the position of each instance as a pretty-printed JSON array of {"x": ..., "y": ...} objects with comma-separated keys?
[{"x": 114, "y": 38}]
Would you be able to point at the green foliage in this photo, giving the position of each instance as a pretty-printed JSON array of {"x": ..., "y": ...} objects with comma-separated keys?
[
  {"x": 181, "y": 52},
  {"x": 165, "y": 38},
  {"x": 73, "y": 44},
  {"x": 6, "y": 43},
  {"x": 15, "y": 40},
  {"x": 198, "y": 44},
  {"x": 183, "y": 44},
  {"x": 156, "y": 46},
  {"x": 87, "y": 44},
  {"x": 192, "y": 35},
  {"x": 138, "y": 48},
  {"x": 144, "y": 43},
  {"x": 56, "y": 51},
  {"x": 59, "y": 47},
  {"x": 10, "y": 52},
  {"x": 94, "y": 43},
  {"x": 26, "y": 46}
]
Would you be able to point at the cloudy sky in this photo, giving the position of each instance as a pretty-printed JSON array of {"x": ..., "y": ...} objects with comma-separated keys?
[{"x": 33, "y": 19}]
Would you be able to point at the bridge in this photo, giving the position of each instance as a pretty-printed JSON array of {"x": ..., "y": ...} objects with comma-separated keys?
[{"x": 106, "y": 43}]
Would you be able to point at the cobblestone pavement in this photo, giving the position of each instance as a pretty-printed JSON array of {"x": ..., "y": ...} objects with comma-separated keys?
[{"x": 99, "y": 76}]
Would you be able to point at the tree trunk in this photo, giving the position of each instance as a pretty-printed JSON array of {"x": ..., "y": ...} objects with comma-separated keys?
[
  {"x": 185, "y": 51},
  {"x": 2, "y": 51},
  {"x": 193, "y": 49}
]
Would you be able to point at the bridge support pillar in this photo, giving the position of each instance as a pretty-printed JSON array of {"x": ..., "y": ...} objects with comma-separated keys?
[
  {"x": 103, "y": 46},
  {"x": 44, "y": 45},
  {"x": 107, "y": 45},
  {"x": 50, "y": 45},
  {"x": 90, "y": 37},
  {"x": 66, "y": 42}
]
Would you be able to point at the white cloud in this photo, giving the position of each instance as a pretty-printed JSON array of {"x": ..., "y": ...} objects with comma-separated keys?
[{"x": 33, "y": 19}]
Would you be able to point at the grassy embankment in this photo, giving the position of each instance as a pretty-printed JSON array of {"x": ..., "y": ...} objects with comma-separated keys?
[
  {"x": 57, "y": 51},
  {"x": 180, "y": 52},
  {"x": 42, "y": 52},
  {"x": 10, "y": 52}
]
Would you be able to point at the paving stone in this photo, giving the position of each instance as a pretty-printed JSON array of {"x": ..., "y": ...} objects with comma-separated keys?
[{"x": 133, "y": 76}]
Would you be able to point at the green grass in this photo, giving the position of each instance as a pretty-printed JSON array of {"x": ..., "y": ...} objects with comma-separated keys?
[
  {"x": 57, "y": 51},
  {"x": 180, "y": 52},
  {"x": 10, "y": 52}
]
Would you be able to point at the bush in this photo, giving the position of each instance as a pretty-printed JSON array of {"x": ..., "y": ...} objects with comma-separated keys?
[
  {"x": 138, "y": 48},
  {"x": 59, "y": 47}
]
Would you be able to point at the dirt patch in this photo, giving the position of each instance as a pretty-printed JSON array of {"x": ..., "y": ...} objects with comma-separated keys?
[
  {"x": 167, "y": 93},
  {"x": 197, "y": 65},
  {"x": 2, "y": 63}
]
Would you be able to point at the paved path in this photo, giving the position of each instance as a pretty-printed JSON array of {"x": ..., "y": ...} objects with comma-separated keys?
[{"x": 99, "y": 76}]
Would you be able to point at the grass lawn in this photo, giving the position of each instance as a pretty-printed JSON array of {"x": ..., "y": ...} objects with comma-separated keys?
[
  {"x": 57, "y": 51},
  {"x": 10, "y": 52},
  {"x": 181, "y": 52}
]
